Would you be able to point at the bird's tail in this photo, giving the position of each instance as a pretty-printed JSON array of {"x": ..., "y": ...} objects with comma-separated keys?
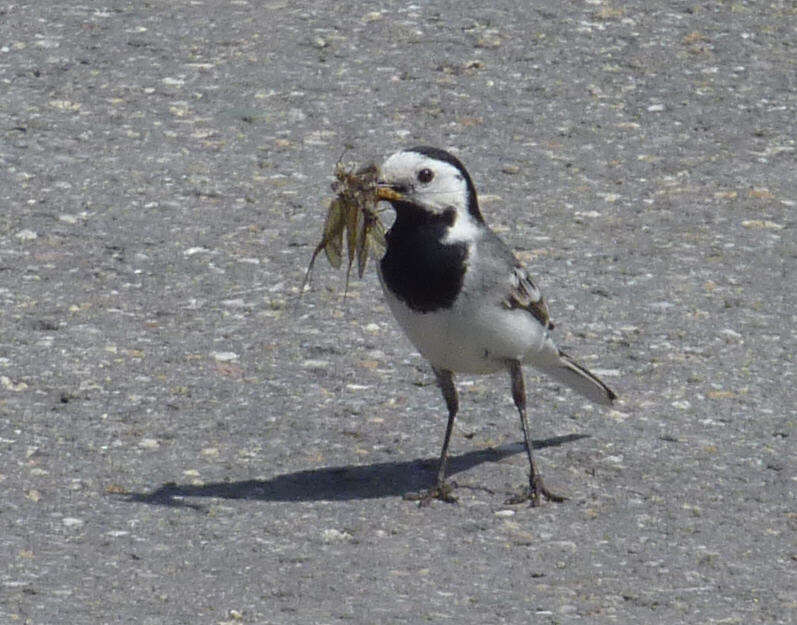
[{"x": 579, "y": 378}]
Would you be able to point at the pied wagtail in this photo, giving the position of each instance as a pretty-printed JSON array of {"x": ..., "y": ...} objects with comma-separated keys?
[{"x": 461, "y": 296}]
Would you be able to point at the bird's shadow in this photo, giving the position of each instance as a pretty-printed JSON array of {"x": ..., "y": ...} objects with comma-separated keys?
[{"x": 342, "y": 483}]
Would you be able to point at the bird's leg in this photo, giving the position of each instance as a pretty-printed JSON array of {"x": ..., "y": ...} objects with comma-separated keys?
[
  {"x": 536, "y": 485},
  {"x": 442, "y": 490}
]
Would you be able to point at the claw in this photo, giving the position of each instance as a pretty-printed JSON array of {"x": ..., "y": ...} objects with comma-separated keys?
[
  {"x": 441, "y": 491},
  {"x": 534, "y": 494}
]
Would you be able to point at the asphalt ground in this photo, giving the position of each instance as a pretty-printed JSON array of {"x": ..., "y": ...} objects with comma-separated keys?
[{"x": 184, "y": 440}]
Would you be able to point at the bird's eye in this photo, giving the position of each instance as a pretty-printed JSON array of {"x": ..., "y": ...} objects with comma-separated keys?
[{"x": 425, "y": 176}]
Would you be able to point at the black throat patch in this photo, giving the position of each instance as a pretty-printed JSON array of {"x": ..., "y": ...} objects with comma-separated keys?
[{"x": 423, "y": 272}]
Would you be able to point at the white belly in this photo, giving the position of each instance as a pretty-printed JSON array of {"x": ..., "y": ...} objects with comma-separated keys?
[{"x": 472, "y": 337}]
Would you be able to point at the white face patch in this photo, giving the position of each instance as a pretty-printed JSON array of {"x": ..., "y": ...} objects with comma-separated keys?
[{"x": 446, "y": 189}]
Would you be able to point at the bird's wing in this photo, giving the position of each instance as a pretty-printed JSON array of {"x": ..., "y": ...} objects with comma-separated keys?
[{"x": 523, "y": 293}]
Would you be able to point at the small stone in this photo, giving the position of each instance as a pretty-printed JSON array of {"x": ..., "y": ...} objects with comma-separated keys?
[
  {"x": 238, "y": 302},
  {"x": 224, "y": 356},
  {"x": 490, "y": 39},
  {"x": 618, "y": 416},
  {"x": 11, "y": 385},
  {"x": 65, "y": 105},
  {"x": 26, "y": 235},
  {"x": 70, "y": 521},
  {"x": 194, "y": 250},
  {"x": 606, "y": 373},
  {"x": 333, "y": 535},
  {"x": 47, "y": 43},
  {"x": 148, "y": 443},
  {"x": 315, "y": 364}
]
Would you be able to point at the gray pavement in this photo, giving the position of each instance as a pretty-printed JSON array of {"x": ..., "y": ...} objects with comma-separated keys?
[{"x": 184, "y": 441}]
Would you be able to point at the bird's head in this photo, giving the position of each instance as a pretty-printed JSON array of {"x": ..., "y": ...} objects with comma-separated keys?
[{"x": 430, "y": 180}]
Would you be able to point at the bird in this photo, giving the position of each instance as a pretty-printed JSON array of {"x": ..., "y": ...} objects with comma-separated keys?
[{"x": 463, "y": 298}]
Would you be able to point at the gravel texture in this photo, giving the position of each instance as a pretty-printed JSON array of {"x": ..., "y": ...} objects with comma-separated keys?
[{"x": 184, "y": 441}]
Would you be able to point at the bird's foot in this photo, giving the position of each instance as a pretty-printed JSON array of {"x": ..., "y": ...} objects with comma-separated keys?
[
  {"x": 534, "y": 493},
  {"x": 443, "y": 492}
]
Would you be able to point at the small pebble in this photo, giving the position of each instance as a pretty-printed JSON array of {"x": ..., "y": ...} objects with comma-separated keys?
[
  {"x": 26, "y": 235},
  {"x": 72, "y": 521},
  {"x": 117, "y": 533},
  {"x": 315, "y": 364},
  {"x": 332, "y": 535},
  {"x": 194, "y": 250}
]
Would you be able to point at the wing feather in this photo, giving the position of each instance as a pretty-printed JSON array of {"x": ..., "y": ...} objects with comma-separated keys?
[{"x": 524, "y": 294}]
